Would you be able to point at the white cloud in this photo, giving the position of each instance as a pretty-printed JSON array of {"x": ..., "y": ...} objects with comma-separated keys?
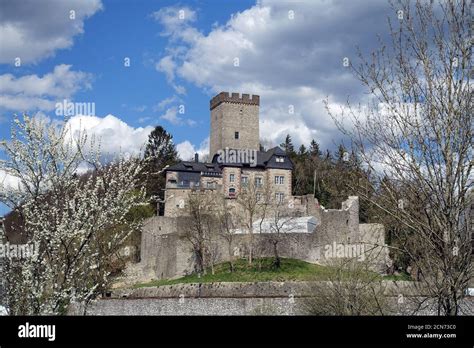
[
  {"x": 167, "y": 66},
  {"x": 165, "y": 102},
  {"x": 34, "y": 30},
  {"x": 175, "y": 19},
  {"x": 116, "y": 137},
  {"x": 176, "y": 22},
  {"x": 140, "y": 108},
  {"x": 144, "y": 119},
  {"x": 171, "y": 115},
  {"x": 290, "y": 62},
  {"x": 186, "y": 150},
  {"x": 32, "y": 92}
]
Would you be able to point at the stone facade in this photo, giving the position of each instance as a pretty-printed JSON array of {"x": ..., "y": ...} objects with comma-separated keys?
[
  {"x": 234, "y": 122},
  {"x": 234, "y": 127}
]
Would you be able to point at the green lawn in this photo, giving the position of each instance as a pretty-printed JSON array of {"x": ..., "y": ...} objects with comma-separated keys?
[{"x": 260, "y": 271}]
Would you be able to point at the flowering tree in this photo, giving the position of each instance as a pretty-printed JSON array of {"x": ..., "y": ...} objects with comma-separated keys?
[{"x": 74, "y": 208}]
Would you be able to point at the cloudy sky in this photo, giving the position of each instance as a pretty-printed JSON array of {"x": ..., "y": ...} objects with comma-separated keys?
[{"x": 147, "y": 63}]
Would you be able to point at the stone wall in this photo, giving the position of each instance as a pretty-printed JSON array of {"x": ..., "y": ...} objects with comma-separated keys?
[
  {"x": 239, "y": 306},
  {"x": 259, "y": 298},
  {"x": 166, "y": 253},
  {"x": 175, "y": 202}
]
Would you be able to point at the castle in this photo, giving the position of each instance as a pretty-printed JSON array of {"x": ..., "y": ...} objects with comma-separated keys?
[
  {"x": 239, "y": 166},
  {"x": 237, "y": 161}
]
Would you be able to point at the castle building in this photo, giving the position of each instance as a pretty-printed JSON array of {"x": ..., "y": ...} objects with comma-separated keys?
[
  {"x": 237, "y": 160},
  {"x": 239, "y": 167}
]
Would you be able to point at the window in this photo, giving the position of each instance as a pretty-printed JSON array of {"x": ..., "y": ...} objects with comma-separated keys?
[
  {"x": 258, "y": 181},
  {"x": 232, "y": 178},
  {"x": 232, "y": 192},
  {"x": 279, "y": 179},
  {"x": 259, "y": 197},
  {"x": 244, "y": 180},
  {"x": 236, "y": 135},
  {"x": 279, "y": 197},
  {"x": 280, "y": 159}
]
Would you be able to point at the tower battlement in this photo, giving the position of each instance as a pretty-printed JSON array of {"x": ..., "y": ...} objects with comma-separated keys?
[{"x": 234, "y": 98}]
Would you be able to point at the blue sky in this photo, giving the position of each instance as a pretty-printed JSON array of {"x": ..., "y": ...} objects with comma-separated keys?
[
  {"x": 127, "y": 29},
  {"x": 181, "y": 54}
]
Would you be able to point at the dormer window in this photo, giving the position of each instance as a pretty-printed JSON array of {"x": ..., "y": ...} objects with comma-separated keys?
[{"x": 280, "y": 159}]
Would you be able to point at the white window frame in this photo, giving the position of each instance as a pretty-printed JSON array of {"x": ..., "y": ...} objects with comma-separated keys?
[
  {"x": 231, "y": 177},
  {"x": 280, "y": 197}
]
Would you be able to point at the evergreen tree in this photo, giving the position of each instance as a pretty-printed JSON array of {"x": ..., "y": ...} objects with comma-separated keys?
[
  {"x": 302, "y": 151},
  {"x": 160, "y": 151},
  {"x": 160, "y": 147},
  {"x": 314, "y": 150},
  {"x": 288, "y": 145},
  {"x": 341, "y": 153}
]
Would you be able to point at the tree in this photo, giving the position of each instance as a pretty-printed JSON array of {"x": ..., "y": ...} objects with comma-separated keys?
[
  {"x": 202, "y": 229},
  {"x": 69, "y": 218},
  {"x": 302, "y": 152},
  {"x": 415, "y": 135},
  {"x": 288, "y": 146},
  {"x": 253, "y": 199},
  {"x": 160, "y": 151},
  {"x": 278, "y": 224},
  {"x": 352, "y": 289},
  {"x": 341, "y": 154},
  {"x": 314, "y": 149},
  {"x": 226, "y": 225}
]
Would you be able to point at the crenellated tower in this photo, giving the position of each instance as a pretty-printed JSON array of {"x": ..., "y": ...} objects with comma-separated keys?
[{"x": 234, "y": 122}]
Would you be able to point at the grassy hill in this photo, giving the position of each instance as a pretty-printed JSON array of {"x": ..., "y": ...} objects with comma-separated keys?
[{"x": 260, "y": 271}]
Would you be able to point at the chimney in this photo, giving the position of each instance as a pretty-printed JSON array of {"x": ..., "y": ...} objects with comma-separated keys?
[{"x": 196, "y": 157}]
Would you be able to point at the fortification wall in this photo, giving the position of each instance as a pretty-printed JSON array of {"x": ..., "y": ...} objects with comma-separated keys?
[{"x": 168, "y": 253}]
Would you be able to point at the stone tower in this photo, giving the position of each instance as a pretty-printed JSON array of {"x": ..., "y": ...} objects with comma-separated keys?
[{"x": 234, "y": 122}]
